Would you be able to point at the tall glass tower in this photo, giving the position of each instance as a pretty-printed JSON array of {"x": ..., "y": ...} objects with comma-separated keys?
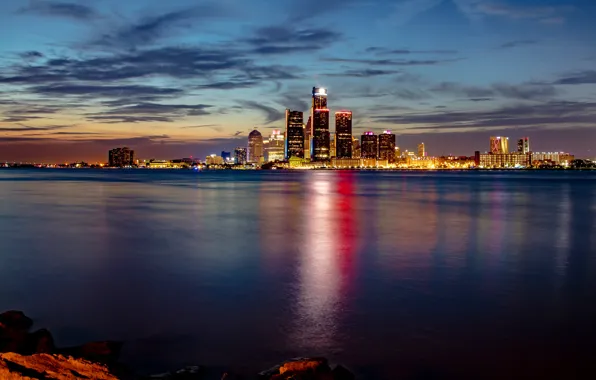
[
  {"x": 320, "y": 137},
  {"x": 343, "y": 134},
  {"x": 294, "y": 146}
]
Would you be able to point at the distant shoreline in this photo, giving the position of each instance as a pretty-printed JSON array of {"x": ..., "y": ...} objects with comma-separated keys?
[{"x": 32, "y": 167}]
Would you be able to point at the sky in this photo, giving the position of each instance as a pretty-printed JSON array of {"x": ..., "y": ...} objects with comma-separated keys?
[{"x": 185, "y": 78}]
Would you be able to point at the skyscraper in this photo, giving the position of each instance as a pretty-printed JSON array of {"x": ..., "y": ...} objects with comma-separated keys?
[
  {"x": 355, "y": 147},
  {"x": 120, "y": 157},
  {"x": 368, "y": 145},
  {"x": 255, "y": 147},
  {"x": 523, "y": 145},
  {"x": 421, "y": 150},
  {"x": 343, "y": 134},
  {"x": 240, "y": 155},
  {"x": 499, "y": 145},
  {"x": 320, "y": 146},
  {"x": 294, "y": 134},
  {"x": 274, "y": 147},
  {"x": 387, "y": 146},
  {"x": 307, "y": 133}
]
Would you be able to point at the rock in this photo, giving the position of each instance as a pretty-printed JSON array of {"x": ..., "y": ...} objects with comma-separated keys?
[
  {"x": 51, "y": 367},
  {"x": 15, "y": 320},
  {"x": 342, "y": 373},
  {"x": 305, "y": 365},
  {"x": 39, "y": 342},
  {"x": 106, "y": 352},
  {"x": 300, "y": 369}
]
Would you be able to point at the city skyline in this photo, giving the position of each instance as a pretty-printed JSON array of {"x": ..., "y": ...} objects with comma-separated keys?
[{"x": 179, "y": 80}]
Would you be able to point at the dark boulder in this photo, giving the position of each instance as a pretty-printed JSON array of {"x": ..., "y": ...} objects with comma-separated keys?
[
  {"x": 39, "y": 342},
  {"x": 342, "y": 373},
  {"x": 15, "y": 320}
]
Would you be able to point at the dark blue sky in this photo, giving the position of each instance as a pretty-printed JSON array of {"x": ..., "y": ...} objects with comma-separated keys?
[{"x": 188, "y": 77}]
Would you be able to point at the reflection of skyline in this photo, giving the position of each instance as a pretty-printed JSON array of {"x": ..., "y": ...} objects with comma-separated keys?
[{"x": 326, "y": 266}]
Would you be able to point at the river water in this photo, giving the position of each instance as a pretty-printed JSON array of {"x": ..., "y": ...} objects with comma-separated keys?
[{"x": 395, "y": 274}]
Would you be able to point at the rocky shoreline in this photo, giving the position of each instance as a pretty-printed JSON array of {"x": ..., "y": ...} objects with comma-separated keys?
[{"x": 33, "y": 355}]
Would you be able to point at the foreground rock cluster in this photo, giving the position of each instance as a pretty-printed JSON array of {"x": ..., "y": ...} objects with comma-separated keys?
[{"x": 33, "y": 355}]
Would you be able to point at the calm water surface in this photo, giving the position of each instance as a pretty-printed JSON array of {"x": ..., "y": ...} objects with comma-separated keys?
[{"x": 392, "y": 273}]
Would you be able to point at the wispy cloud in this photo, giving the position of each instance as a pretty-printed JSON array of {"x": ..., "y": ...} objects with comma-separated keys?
[
  {"x": 271, "y": 114},
  {"x": 60, "y": 9},
  {"x": 517, "y": 43}
]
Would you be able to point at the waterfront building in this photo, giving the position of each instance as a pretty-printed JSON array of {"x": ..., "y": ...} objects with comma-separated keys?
[
  {"x": 345, "y": 163},
  {"x": 505, "y": 160},
  {"x": 421, "y": 150},
  {"x": 320, "y": 137},
  {"x": 523, "y": 145},
  {"x": 294, "y": 146},
  {"x": 499, "y": 145},
  {"x": 121, "y": 157},
  {"x": 274, "y": 147},
  {"x": 214, "y": 159},
  {"x": 255, "y": 147},
  {"x": 355, "y": 147},
  {"x": 368, "y": 145},
  {"x": 557, "y": 158},
  {"x": 387, "y": 146},
  {"x": 343, "y": 134},
  {"x": 240, "y": 156}
]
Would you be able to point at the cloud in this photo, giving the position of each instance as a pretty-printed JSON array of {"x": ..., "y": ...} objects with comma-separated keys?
[
  {"x": 31, "y": 55},
  {"x": 26, "y": 128},
  {"x": 476, "y": 9},
  {"x": 60, "y": 9},
  {"x": 149, "y": 30},
  {"x": 271, "y": 114},
  {"x": 285, "y": 39},
  {"x": 526, "y": 91},
  {"x": 228, "y": 85},
  {"x": 97, "y": 91},
  {"x": 363, "y": 73},
  {"x": 555, "y": 113},
  {"x": 149, "y": 112},
  {"x": 116, "y": 119},
  {"x": 390, "y": 62},
  {"x": 513, "y": 44},
  {"x": 386, "y": 51},
  {"x": 581, "y": 77}
]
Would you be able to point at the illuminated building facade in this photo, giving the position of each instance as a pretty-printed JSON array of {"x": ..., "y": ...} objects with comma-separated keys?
[
  {"x": 121, "y": 157},
  {"x": 368, "y": 145},
  {"x": 355, "y": 147},
  {"x": 307, "y": 132},
  {"x": 523, "y": 145},
  {"x": 214, "y": 160},
  {"x": 294, "y": 134},
  {"x": 343, "y": 134},
  {"x": 274, "y": 147},
  {"x": 320, "y": 137},
  {"x": 240, "y": 155},
  {"x": 499, "y": 145},
  {"x": 421, "y": 150},
  {"x": 332, "y": 146},
  {"x": 506, "y": 160},
  {"x": 387, "y": 146},
  {"x": 255, "y": 147},
  {"x": 559, "y": 158}
]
